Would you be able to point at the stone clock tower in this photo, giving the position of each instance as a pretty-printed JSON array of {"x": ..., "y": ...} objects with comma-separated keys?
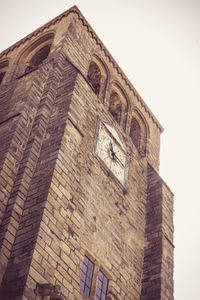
[{"x": 84, "y": 213}]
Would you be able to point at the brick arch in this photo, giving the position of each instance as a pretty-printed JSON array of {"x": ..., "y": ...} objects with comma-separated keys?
[
  {"x": 118, "y": 104},
  {"x": 139, "y": 131},
  {"x": 3, "y": 68},
  {"x": 35, "y": 53},
  {"x": 97, "y": 76}
]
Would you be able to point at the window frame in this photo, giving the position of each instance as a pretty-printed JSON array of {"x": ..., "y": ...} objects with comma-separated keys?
[
  {"x": 143, "y": 136},
  {"x": 87, "y": 272},
  {"x": 122, "y": 98},
  {"x": 95, "y": 278},
  {"x": 31, "y": 49},
  {"x": 103, "y": 289}
]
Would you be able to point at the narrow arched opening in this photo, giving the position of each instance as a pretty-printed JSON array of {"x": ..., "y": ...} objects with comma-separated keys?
[
  {"x": 40, "y": 56},
  {"x": 139, "y": 132},
  {"x": 118, "y": 105},
  {"x": 94, "y": 77},
  {"x": 115, "y": 106},
  {"x": 135, "y": 133},
  {"x": 35, "y": 53}
]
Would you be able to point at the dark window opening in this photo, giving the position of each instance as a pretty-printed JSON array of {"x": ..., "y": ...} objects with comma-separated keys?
[
  {"x": 94, "y": 77},
  {"x": 86, "y": 276},
  {"x": 135, "y": 133},
  {"x": 115, "y": 107},
  {"x": 40, "y": 56},
  {"x": 102, "y": 286},
  {"x": 2, "y": 76}
]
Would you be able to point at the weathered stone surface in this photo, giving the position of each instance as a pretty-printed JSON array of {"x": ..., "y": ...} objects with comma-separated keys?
[{"x": 59, "y": 200}]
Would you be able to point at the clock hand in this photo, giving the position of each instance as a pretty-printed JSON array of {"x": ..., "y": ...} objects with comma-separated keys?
[
  {"x": 119, "y": 161},
  {"x": 114, "y": 156},
  {"x": 112, "y": 151}
]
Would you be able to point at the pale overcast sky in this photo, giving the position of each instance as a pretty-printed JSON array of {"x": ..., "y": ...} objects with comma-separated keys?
[{"x": 157, "y": 45}]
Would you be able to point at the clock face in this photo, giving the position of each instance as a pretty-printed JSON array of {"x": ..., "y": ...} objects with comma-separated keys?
[{"x": 111, "y": 151}]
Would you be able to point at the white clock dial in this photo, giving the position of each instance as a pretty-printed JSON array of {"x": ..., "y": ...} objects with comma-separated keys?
[{"x": 109, "y": 149}]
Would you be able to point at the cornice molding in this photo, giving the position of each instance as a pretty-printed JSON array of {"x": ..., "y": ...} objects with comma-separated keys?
[{"x": 93, "y": 34}]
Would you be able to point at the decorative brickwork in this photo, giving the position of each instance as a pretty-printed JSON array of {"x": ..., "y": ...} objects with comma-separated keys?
[{"x": 62, "y": 202}]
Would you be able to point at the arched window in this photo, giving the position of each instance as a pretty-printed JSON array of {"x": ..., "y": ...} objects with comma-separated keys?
[
  {"x": 94, "y": 76},
  {"x": 40, "y": 56},
  {"x": 35, "y": 53},
  {"x": 115, "y": 106},
  {"x": 135, "y": 133},
  {"x": 118, "y": 105},
  {"x": 139, "y": 132},
  {"x": 3, "y": 69},
  {"x": 97, "y": 77}
]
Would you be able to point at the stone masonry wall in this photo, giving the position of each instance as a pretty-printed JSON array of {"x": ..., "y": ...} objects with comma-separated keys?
[
  {"x": 87, "y": 213},
  {"x": 158, "y": 253},
  {"x": 38, "y": 184},
  {"x": 59, "y": 201},
  {"x": 168, "y": 246},
  {"x": 18, "y": 125}
]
